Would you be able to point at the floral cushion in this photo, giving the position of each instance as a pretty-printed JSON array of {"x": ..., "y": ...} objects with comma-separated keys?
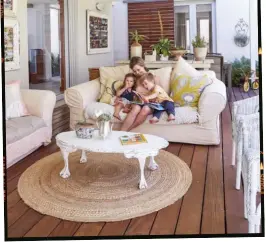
[
  {"x": 186, "y": 90},
  {"x": 109, "y": 90}
]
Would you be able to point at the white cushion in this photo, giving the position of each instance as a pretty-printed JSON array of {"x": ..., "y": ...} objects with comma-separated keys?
[
  {"x": 15, "y": 107},
  {"x": 164, "y": 74},
  {"x": 184, "y": 115},
  {"x": 182, "y": 67}
]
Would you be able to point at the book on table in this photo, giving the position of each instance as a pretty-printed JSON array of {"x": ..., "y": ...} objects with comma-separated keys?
[{"x": 133, "y": 139}]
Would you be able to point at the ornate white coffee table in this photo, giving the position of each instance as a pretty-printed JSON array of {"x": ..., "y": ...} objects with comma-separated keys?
[{"x": 68, "y": 142}]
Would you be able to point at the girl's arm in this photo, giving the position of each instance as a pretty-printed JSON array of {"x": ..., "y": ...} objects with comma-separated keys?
[{"x": 120, "y": 92}]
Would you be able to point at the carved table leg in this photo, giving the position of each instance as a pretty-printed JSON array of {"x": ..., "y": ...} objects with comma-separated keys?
[
  {"x": 83, "y": 158},
  {"x": 153, "y": 165},
  {"x": 142, "y": 182},
  {"x": 65, "y": 173}
]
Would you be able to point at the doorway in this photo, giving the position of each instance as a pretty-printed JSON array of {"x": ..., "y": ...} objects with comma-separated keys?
[{"x": 46, "y": 45}]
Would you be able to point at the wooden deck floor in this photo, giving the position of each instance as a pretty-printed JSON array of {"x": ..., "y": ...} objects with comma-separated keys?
[{"x": 211, "y": 206}]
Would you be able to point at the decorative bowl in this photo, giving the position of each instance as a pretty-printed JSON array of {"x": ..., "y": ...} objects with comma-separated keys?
[
  {"x": 178, "y": 53},
  {"x": 84, "y": 130}
]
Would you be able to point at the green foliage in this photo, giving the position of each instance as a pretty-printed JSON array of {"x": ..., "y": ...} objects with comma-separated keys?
[
  {"x": 136, "y": 37},
  {"x": 179, "y": 48},
  {"x": 199, "y": 42},
  {"x": 242, "y": 68},
  {"x": 55, "y": 61},
  {"x": 163, "y": 46}
]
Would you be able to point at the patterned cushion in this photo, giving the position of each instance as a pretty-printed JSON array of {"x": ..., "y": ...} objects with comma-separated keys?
[
  {"x": 117, "y": 72},
  {"x": 186, "y": 90},
  {"x": 110, "y": 88}
]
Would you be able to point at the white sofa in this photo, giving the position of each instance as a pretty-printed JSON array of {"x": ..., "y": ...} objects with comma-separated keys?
[
  {"x": 206, "y": 131},
  {"x": 26, "y": 134}
]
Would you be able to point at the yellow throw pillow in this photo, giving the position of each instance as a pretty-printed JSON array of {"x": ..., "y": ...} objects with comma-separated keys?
[
  {"x": 186, "y": 90},
  {"x": 109, "y": 90}
]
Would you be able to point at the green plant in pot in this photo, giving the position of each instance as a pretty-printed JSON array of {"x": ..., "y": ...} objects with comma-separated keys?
[
  {"x": 199, "y": 48},
  {"x": 164, "y": 45},
  {"x": 136, "y": 47}
]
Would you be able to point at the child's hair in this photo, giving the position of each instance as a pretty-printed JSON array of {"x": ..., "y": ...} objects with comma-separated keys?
[
  {"x": 136, "y": 60},
  {"x": 148, "y": 76},
  {"x": 129, "y": 75}
]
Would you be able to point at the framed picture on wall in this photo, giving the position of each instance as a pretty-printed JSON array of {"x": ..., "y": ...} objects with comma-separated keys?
[
  {"x": 10, "y": 8},
  {"x": 11, "y": 41},
  {"x": 98, "y": 33}
]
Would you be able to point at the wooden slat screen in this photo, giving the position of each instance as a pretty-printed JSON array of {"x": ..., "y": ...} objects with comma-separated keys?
[{"x": 144, "y": 18}]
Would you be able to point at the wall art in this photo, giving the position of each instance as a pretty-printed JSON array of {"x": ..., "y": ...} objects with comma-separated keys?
[
  {"x": 10, "y": 8},
  {"x": 242, "y": 33},
  {"x": 11, "y": 42},
  {"x": 98, "y": 33}
]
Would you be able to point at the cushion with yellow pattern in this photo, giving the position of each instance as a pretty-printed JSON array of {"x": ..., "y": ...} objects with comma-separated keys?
[
  {"x": 186, "y": 90},
  {"x": 109, "y": 90}
]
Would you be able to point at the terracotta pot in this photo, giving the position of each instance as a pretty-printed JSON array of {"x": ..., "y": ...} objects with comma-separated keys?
[
  {"x": 200, "y": 53},
  {"x": 136, "y": 50}
]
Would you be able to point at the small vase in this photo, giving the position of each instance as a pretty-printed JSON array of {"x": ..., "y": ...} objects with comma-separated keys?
[
  {"x": 164, "y": 58},
  {"x": 136, "y": 50}
]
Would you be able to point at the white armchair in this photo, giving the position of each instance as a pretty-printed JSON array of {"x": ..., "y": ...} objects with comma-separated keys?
[
  {"x": 239, "y": 108},
  {"x": 26, "y": 134},
  {"x": 249, "y": 125}
]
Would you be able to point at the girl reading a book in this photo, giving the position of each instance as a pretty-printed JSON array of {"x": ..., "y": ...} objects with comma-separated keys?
[
  {"x": 125, "y": 95},
  {"x": 138, "y": 113},
  {"x": 158, "y": 95}
]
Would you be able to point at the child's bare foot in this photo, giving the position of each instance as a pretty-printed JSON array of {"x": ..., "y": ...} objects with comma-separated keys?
[
  {"x": 171, "y": 117},
  {"x": 117, "y": 116},
  {"x": 154, "y": 120}
]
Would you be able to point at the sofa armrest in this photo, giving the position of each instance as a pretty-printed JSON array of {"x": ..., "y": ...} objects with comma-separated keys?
[
  {"x": 80, "y": 95},
  {"x": 212, "y": 101},
  {"x": 40, "y": 103}
]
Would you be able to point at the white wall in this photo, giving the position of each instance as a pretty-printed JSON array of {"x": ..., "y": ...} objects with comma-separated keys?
[
  {"x": 120, "y": 31},
  {"x": 228, "y": 13},
  {"x": 22, "y": 73},
  {"x": 82, "y": 60}
]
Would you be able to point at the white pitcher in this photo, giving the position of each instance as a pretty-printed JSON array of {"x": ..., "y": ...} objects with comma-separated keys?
[{"x": 105, "y": 128}]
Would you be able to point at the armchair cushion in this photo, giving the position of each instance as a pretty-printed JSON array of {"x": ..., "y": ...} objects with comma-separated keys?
[
  {"x": 15, "y": 106},
  {"x": 111, "y": 86},
  {"x": 18, "y": 128}
]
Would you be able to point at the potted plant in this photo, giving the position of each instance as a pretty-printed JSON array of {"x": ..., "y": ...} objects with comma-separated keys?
[
  {"x": 163, "y": 48},
  {"x": 164, "y": 45},
  {"x": 136, "y": 47},
  {"x": 178, "y": 51},
  {"x": 200, "y": 48}
]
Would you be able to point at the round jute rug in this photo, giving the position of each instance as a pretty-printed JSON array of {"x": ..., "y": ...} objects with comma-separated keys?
[{"x": 103, "y": 189}]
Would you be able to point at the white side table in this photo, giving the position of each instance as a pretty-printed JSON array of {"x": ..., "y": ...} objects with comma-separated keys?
[{"x": 68, "y": 142}]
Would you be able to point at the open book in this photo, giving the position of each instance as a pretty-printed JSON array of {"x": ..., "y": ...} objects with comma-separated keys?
[{"x": 153, "y": 105}]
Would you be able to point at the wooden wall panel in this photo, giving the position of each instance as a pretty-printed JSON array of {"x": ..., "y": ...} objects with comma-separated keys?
[{"x": 144, "y": 18}]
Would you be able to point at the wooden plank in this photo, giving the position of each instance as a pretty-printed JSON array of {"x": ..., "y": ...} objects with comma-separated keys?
[
  {"x": 257, "y": 91},
  {"x": 251, "y": 93},
  {"x": 165, "y": 221},
  {"x": 141, "y": 225},
  {"x": 24, "y": 224},
  {"x": 64, "y": 122},
  {"x": 12, "y": 199},
  {"x": 16, "y": 212},
  {"x": 115, "y": 228},
  {"x": 60, "y": 129},
  {"x": 213, "y": 208},
  {"x": 61, "y": 116},
  {"x": 234, "y": 201},
  {"x": 65, "y": 228},
  {"x": 89, "y": 229},
  {"x": 237, "y": 93},
  {"x": 12, "y": 184},
  {"x": 44, "y": 227},
  {"x": 191, "y": 224},
  {"x": 244, "y": 94}
]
